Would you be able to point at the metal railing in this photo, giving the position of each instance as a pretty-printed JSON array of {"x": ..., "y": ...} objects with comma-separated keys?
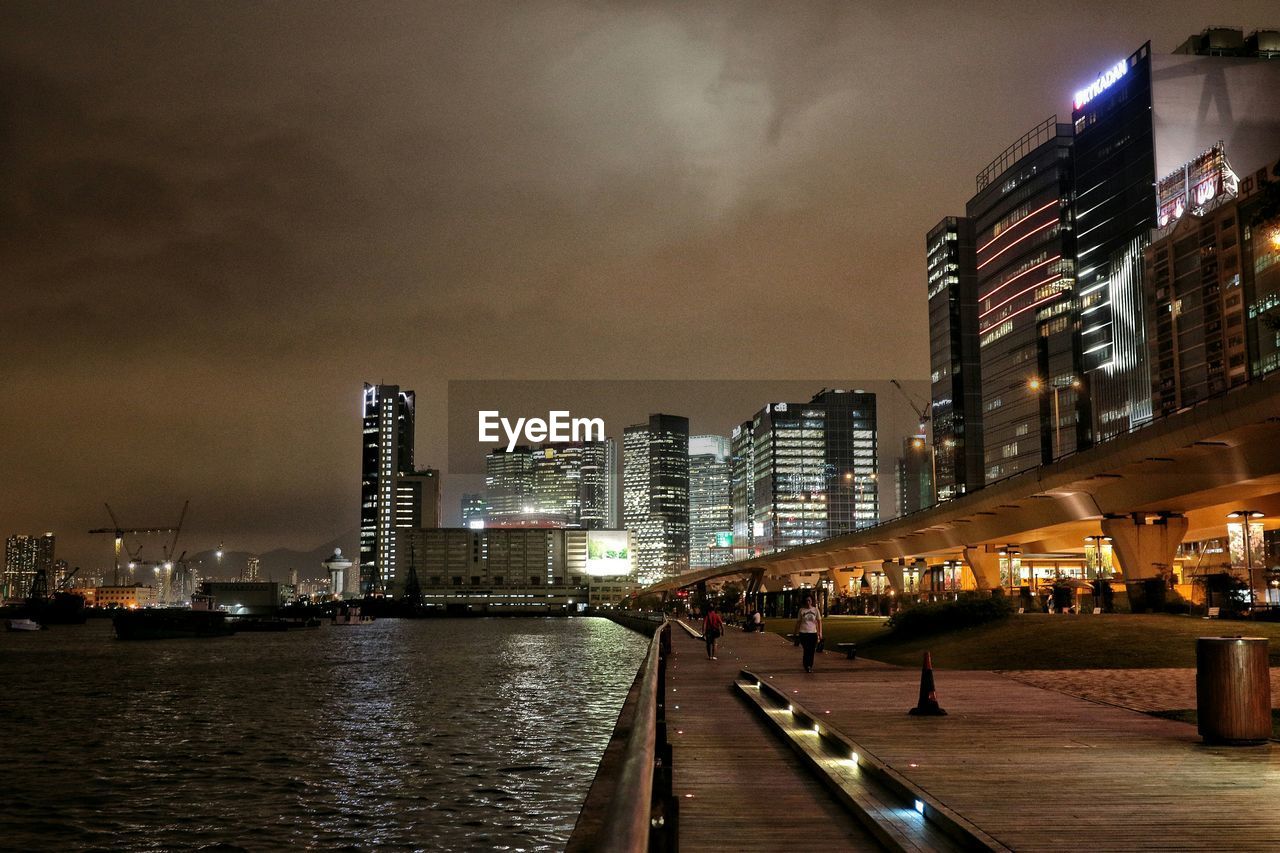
[{"x": 641, "y": 816}]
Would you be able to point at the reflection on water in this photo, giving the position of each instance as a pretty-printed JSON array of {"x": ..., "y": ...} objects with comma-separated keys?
[{"x": 433, "y": 734}]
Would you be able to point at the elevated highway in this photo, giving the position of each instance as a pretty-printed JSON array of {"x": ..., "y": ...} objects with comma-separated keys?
[{"x": 1173, "y": 481}]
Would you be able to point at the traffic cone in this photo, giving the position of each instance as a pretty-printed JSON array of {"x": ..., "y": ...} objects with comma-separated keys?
[{"x": 927, "y": 706}]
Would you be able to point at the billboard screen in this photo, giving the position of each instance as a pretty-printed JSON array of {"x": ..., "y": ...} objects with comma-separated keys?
[{"x": 608, "y": 553}]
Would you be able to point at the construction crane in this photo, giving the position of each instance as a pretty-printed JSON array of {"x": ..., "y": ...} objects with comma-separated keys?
[
  {"x": 118, "y": 532},
  {"x": 921, "y": 413}
]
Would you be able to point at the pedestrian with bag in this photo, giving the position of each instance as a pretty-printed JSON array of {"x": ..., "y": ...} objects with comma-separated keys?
[
  {"x": 712, "y": 628},
  {"x": 809, "y": 630}
]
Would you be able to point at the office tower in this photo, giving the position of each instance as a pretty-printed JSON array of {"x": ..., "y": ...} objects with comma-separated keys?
[
  {"x": 853, "y": 496},
  {"x": 387, "y": 455},
  {"x": 25, "y": 557},
  {"x": 1139, "y": 119},
  {"x": 1034, "y": 402},
  {"x": 955, "y": 380},
  {"x": 508, "y": 481},
  {"x": 710, "y": 509},
  {"x": 743, "y": 489},
  {"x": 1206, "y": 280},
  {"x": 252, "y": 568},
  {"x": 474, "y": 510},
  {"x": 597, "y": 507},
  {"x": 814, "y": 469},
  {"x": 655, "y": 493},
  {"x": 418, "y": 499},
  {"x": 915, "y": 475}
]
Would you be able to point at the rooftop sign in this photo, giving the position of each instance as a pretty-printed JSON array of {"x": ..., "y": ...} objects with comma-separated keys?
[{"x": 1105, "y": 81}]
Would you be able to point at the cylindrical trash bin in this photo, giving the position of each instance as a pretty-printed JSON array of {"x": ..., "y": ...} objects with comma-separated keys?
[{"x": 1233, "y": 690}]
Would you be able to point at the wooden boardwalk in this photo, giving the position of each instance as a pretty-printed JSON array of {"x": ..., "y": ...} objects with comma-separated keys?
[
  {"x": 740, "y": 787},
  {"x": 1034, "y": 768}
]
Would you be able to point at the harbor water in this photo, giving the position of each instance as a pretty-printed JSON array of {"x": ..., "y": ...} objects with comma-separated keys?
[{"x": 445, "y": 734}]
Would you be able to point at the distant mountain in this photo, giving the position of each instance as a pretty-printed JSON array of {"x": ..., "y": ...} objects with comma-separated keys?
[{"x": 275, "y": 565}]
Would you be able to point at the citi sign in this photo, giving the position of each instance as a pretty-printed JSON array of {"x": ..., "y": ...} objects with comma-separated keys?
[{"x": 1105, "y": 81}]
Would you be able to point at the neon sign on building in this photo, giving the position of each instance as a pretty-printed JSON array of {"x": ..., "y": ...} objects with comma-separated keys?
[{"x": 1105, "y": 81}]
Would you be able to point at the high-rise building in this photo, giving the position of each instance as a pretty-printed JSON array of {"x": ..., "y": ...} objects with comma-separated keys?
[
  {"x": 710, "y": 510},
  {"x": 1139, "y": 119},
  {"x": 25, "y": 557},
  {"x": 915, "y": 475},
  {"x": 508, "y": 481},
  {"x": 655, "y": 495},
  {"x": 561, "y": 485},
  {"x": 252, "y": 568},
  {"x": 1028, "y": 326},
  {"x": 853, "y": 496},
  {"x": 955, "y": 379},
  {"x": 387, "y": 455},
  {"x": 815, "y": 469},
  {"x": 1206, "y": 279},
  {"x": 743, "y": 489},
  {"x": 474, "y": 510}
]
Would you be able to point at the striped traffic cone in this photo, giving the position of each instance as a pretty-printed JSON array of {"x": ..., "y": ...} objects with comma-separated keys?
[{"x": 927, "y": 705}]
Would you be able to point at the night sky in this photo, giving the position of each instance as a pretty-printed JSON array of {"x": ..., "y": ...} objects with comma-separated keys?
[{"x": 218, "y": 219}]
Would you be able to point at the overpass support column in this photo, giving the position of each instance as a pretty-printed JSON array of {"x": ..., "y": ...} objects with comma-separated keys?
[
  {"x": 985, "y": 565},
  {"x": 1145, "y": 550},
  {"x": 893, "y": 571}
]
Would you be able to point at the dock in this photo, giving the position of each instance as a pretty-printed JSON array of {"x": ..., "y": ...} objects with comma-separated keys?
[{"x": 1023, "y": 767}]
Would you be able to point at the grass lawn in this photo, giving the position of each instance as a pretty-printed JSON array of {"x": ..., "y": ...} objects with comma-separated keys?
[{"x": 1041, "y": 641}]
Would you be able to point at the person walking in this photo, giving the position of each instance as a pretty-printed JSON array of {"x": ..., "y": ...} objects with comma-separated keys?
[
  {"x": 808, "y": 630},
  {"x": 757, "y": 621},
  {"x": 712, "y": 628}
]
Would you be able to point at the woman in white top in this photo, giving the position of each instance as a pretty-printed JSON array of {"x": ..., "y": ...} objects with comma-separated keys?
[{"x": 809, "y": 630}]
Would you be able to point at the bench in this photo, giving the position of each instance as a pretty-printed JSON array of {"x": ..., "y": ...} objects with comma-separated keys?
[{"x": 850, "y": 650}]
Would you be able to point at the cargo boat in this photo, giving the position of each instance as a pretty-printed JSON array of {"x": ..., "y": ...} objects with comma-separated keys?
[{"x": 170, "y": 623}]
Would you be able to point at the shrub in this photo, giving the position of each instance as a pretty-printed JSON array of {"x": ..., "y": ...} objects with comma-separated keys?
[{"x": 923, "y": 619}]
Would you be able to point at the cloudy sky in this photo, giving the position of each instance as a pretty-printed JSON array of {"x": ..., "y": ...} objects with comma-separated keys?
[{"x": 218, "y": 219}]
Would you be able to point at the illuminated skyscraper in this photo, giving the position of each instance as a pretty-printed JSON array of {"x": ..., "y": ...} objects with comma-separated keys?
[
  {"x": 387, "y": 455},
  {"x": 956, "y": 386},
  {"x": 1028, "y": 324},
  {"x": 24, "y": 557},
  {"x": 815, "y": 469},
  {"x": 655, "y": 495},
  {"x": 508, "y": 481},
  {"x": 743, "y": 489},
  {"x": 1141, "y": 119},
  {"x": 710, "y": 511}
]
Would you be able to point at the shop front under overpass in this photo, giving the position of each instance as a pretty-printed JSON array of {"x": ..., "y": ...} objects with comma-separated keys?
[{"x": 1174, "y": 480}]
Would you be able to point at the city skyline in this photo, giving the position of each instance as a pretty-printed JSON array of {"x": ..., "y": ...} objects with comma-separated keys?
[{"x": 137, "y": 306}]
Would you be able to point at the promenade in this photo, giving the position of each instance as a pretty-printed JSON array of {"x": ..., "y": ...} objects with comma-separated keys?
[{"x": 1033, "y": 768}]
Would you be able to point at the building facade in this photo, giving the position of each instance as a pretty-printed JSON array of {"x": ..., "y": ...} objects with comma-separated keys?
[
  {"x": 391, "y": 490},
  {"x": 710, "y": 508},
  {"x": 517, "y": 569},
  {"x": 655, "y": 495},
  {"x": 742, "y": 490},
  {"x": 1139, "y": 119},
  {"x": 814, "y": 470},
  {"x": 1034, "y": 398},
  {"x": 955, "y": 369},
  {"x": 915, "y": 475},
  {"x": 24, "y": 558},
  {"x": 1210, "y": 284}
]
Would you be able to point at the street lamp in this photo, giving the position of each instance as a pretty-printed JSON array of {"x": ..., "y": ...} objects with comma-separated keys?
[{"x": 1037, "y": 385}]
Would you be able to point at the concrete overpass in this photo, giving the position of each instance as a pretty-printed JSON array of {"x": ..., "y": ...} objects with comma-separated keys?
[{"x": 1172, "y": 481}]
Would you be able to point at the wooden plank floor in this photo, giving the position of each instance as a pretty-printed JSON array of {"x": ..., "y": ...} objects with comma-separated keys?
[
  {"x": 749, "y": 791},
  {"x": 1037, "y": 769}
]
